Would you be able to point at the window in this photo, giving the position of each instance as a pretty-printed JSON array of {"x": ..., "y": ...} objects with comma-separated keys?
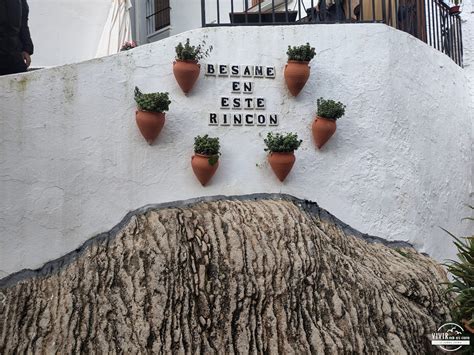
[
  {"x": 162, "y": 14},
  {"x": 158, "y": 15}
]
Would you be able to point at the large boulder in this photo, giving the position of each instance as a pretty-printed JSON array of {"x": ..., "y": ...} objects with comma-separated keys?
[{"x": 262, "y": 274}]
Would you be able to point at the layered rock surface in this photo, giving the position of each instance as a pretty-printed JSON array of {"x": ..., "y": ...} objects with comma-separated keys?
[{"x": 252, "y": 275}]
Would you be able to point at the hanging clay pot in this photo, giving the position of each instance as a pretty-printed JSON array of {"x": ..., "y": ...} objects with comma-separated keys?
[
  {"x": 203, "y": 170},
  {"x": 186, "y": 73},
  {"x": 281, "y": 163},
  {"x": 150, "y": 124},
  {"x": 296, "y": 76},
  {"x": 455, "y": 10},
  {"x": 323, "y": 129}
]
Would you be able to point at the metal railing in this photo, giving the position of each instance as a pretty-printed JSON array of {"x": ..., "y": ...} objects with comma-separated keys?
[
  {"x": 428, "y": 20},
  {"x": 444, "y": 30}
]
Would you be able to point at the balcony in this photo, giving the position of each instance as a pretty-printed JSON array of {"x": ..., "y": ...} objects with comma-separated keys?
[{"x": 431, "y": 21}]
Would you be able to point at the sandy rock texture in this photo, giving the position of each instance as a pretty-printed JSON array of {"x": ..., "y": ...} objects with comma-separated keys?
[{"x": 260, "y": 275}]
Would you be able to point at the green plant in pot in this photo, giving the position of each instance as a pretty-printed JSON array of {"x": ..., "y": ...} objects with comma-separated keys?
[
  {"x": 281, "y": 152},
  {"x": 205, "y": 160},
  {"x": 324, "y": 125},
  {"x": 186, "y": 68},
  {"x": 297, "y": 69},
  {"x": 150, "y": 114}
]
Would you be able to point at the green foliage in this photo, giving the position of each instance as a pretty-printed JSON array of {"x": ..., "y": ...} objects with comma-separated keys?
[
  {"x": 282, "y": 142},
  {"x": 330, "y": 109},
  {"x": 457, "y": 2},
  {"x": 189, "y": 52},
  {"x": 403, "y": 253},
  {"x": 154, "y": 102},
  {"x": 208, "y": 146},
  {"x": 303, "y": 53},
  {"x": 469, "y": 218},
  {"x": 462, "y": 285}
]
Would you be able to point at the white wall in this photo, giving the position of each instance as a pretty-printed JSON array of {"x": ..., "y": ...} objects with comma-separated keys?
[
  {"x": 468, "y": 41},
  {"x": 66, "y": 31},
  {"x": 185, "y": 15},
  {"x": 73, "y": 163}
]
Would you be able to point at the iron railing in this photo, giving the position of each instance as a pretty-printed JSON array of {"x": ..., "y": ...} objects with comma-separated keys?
[{"x": 429, "y": 20}]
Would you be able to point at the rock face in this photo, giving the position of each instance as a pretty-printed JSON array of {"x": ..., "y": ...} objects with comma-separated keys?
[{"x": 248, "y": 275}]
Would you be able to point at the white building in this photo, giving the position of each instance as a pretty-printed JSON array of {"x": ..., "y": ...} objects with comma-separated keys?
[{"x": 66, "y": 31}]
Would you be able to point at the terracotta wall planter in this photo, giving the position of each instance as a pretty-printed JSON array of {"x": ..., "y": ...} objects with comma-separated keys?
[
  {"x": 281, "y": 163},
  {"x": 186, "y": 73},
  {"x": 150, "y": 124},
  {"x": 296, "y": 76},
  {"x": 323, "y": 129},
  {"x": 456, "y": 9},
  {"x": 203, "y": 170}
]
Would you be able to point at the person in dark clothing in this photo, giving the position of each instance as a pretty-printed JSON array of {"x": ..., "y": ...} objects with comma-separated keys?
[{"x": 16, "y": 46}]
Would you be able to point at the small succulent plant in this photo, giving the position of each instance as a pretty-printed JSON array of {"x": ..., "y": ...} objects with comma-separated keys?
[
  {"x": 153, "y": 102},
  {"x": 189, "y": 52},
  {"x": 330, "y": 109},
  {"x": 206, "y": 145},
  {"x": 302, "y": 53},
  {"x": 278, "y": 142}
]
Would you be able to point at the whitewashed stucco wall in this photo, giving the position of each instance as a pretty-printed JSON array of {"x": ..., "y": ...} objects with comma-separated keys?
[
  {"x": 186, "y": 15},
  {"x": 73, "y": 163},
  {"x": 66, "y": 31},
  {"x": 468, "y": 41}
]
